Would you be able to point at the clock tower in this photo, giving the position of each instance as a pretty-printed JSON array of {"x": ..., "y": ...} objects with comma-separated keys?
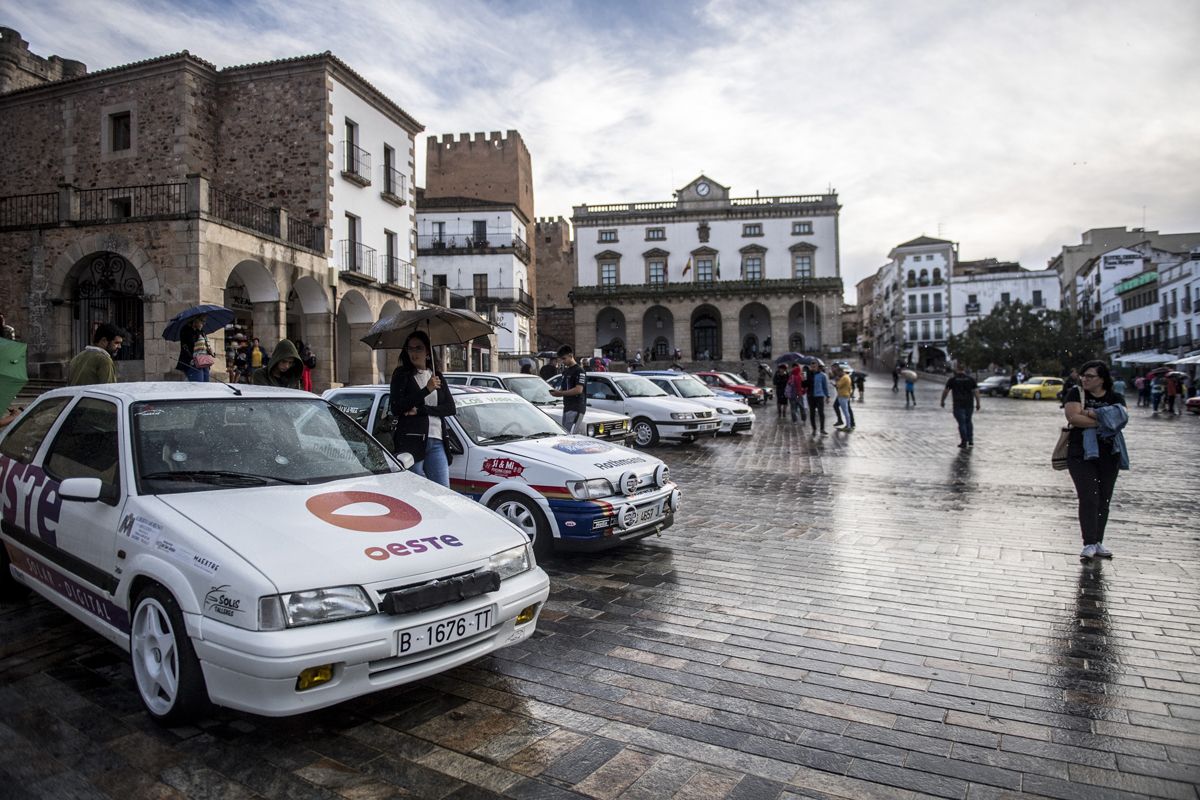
[{"x": 703, "y": 190}]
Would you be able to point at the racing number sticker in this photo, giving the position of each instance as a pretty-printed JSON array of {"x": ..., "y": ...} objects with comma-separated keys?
[{"x": 400, "y": 515}]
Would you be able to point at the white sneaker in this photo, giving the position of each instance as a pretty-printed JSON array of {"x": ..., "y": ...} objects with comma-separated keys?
[
  {"x": 1087, "y": 553},
  {"x": 1103, "y": 552}
]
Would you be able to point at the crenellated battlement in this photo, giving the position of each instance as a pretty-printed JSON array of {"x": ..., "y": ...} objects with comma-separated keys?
[
  {"x": 551, "y": 221},
  {"x": 495, "y": 140},
  {"x": 19, "y": 68}
]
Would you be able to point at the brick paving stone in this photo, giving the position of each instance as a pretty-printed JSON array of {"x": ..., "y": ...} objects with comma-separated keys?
[{"x": 865, "y": 615}]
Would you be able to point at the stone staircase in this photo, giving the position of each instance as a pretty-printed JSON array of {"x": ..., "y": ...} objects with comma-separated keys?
[{"x": 35, "y": 388}]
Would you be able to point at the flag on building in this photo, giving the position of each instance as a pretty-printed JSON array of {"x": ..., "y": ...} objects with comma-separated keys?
[
  {"x": 718, "y": 268},
  {"x": 687, "y": 267}
]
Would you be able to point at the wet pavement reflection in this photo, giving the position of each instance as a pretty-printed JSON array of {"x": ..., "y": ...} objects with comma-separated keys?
[{"x": 867, "y": 614}]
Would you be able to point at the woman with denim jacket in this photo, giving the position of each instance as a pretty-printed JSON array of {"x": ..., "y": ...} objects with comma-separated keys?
[{"x": 1094, "y": 478}]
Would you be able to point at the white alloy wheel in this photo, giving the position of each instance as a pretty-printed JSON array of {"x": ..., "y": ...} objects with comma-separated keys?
[
  {"x": 521, "y": 512},
  {"x": 165, "y": 667}
]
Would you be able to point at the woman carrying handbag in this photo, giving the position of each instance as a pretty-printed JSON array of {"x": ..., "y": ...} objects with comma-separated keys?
[{"x": 420, "y": 402}]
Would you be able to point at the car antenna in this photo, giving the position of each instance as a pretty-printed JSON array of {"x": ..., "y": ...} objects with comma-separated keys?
[{"x": 236, "y": 390}]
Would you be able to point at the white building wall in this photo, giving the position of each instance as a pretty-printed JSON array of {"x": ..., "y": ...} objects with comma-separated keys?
[
  {"x": 725, "y": 236},
  {"x": 990, "y": 290},
  {"x": 376, "y": 214}
]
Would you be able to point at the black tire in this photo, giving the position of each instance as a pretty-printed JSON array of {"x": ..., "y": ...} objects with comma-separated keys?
[
  {"x": 10, "y": 587},
  {"x": 645, "y": 432},
  {"x": 1037, "y": 395},
  {"x": 161, "y": 654},
  {"x": 526, "y": 515}
]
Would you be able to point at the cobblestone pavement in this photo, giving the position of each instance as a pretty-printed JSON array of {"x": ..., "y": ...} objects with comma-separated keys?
[{"x": 867, "y": 615}]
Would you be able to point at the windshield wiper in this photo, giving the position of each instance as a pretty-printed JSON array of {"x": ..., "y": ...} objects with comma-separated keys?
[
  {"x": 215, "y": 474},
  {"x": 501, "y": 437},
  {"x": 542, "y": 435}
]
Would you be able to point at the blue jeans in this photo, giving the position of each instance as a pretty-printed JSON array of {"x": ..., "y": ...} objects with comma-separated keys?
[
  {"x": 966, "y": 428},
  {"x": 197, "y": 374},
  {"x": 434, "y": 466},
  {"x": 797, "y": 407},
  {"x": 847, "y": 415}
]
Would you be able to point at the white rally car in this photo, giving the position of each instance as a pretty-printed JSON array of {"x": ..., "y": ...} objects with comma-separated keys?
[
  {"x": 600, "y": 424},
  {"x": 252, "y": 546},
  {"x": 735, "y": 416},
  {"x": 655, "y": 414},
  {"x": 566, "y": 492}
]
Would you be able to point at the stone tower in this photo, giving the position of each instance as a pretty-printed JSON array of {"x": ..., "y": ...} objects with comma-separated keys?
[{"x": 20, "y": 68}]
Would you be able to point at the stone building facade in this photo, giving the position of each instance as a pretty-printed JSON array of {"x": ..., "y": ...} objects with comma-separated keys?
[
  {"x": 717, "y": 278},
  {"x": 129, "y": 194},
  {"x": 555, "y": 249},
  {"x": 20, "y": 68}
]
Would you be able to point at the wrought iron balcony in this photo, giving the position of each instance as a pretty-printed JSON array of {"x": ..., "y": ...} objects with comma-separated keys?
[
  {"x": 359, "y": 260},
  {"x": 126, "y": 202},
  {"x": 686, "y": 288},
  {"x": 399, "y": 273},
  {"x": 466, "y": 244},
  {"x": 242, "y": 212},
  {"x": 356, "y": 163},
  {"x": 972, "y": 308},
  {"x": 29, "y": 210},
  {"x": 395, "y": 186}
]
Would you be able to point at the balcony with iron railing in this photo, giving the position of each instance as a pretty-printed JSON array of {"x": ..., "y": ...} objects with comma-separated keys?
[
  {"x": 691, "y": 289},
  {"x": 399, "y": 273},
  {"x": 468, "y": 244},
  {"x": 356, "y": 260},
  {"x": 971, "y": 308},
  {"x": 395, "y": 186},
  {"x": 356, "y": 163},
  {"x": 195, "y": 198}
]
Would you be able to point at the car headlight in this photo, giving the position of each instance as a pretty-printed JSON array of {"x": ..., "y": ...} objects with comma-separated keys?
[
  {"x": 591, "y": 430},
  {"x": 683, "y": 415},
  {"x": 313, "y": 606},
  {"x": 724, "y": 411},
  {"x": 512, "y": 561},
  {"x": 586, "y": 490}
]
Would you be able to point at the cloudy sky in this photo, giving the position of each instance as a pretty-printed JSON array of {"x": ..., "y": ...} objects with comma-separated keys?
[{"x": 1007, "y": 127}]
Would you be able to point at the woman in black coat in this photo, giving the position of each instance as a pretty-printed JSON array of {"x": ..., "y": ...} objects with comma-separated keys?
[{"x": 420, "y": 403}]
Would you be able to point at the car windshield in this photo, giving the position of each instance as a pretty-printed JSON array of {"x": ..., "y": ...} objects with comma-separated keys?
[
  {"x": 994, "y": 380},
  {"x": 222, "y": 443},
  {"x": 639, "y": 387},
  {"x": 731, "y": 379},
  {"x": 690, "y": 387},
  {"x": 494, "y": 418},
  {"x": 533, "y": 389}
]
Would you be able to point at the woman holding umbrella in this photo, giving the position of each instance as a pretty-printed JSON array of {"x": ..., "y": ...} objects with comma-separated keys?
[
  {"x": 195, "y": 354},
  {"x": 420, "y": 401}
]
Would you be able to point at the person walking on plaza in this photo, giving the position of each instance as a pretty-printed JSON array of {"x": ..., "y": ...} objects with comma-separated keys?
[
  {"x": 896, "y": 379},
  {"x": 860, "y": 382},
  {"x": 796, "y": 382},
  {"x": 783, "y": 390},
  {"x": 966, "y": 394},
  {"x": 420, "y": 403},
  {"x": 284, "y": 369},
  {"x": 1143, "y": 390},
  {"x": 195, "y": 352},
  {"x": 1118, "y": 385},
  {"x": 257, "y": 355},
  {"x": 845, "y": 391},
  {"x": 94, "y": 363},
  {"x": 1158, "y": 387},
  {"x": 910, "y": 383},
  {"x": 574, "y": 400},
  {"x": 1095, "y": 451},
  {"x": 817, "y": 387},
  {"x": 309, "y": 361},
  {"x": 1172, "y": 393}
]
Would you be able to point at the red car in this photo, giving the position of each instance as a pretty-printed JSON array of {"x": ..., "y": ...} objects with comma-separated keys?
[
  {"x": 732, "y": 383},
  {"x": 1193, "y": 404}
]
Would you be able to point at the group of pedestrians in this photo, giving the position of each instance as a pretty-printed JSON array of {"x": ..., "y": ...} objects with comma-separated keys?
[
  {"x": 803, "y": 390},
  {"x": 1166, "y": 391}
]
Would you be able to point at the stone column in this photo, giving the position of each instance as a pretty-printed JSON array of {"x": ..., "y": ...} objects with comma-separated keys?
[
  {"x": 731, "y": 337},
  {"x": 633, "y": 329},
  {"x": 683, "y": 333},
  {"x": 362, "y": 358},
  {"x": 318, "y": 334}
]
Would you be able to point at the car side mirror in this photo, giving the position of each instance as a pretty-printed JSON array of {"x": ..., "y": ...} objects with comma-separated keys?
[
  {"x": 454, "y": 445},
  {"x": 83, "y": 490},
  {"x": 406, "y": 460}
]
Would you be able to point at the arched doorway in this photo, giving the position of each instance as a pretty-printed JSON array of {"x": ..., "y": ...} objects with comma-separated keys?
[
  {"x": 706, "y": 334},
  {"x": 105, "y": 287},
  {"x": 804, "y": 328},
  {"x": 610, "y": 333},
  {"x": 253, "y": 296},
  {"x": 658, "y": 331},
  {"x": 754, "y": 330}
]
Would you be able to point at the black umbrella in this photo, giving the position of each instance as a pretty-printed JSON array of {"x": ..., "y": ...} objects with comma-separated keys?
[
  {"x": 442, "y": 325},
  {"x": 215, "y": 318}
]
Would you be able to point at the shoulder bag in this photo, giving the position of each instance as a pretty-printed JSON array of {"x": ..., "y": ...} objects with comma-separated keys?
[{"x": 1058, "y": 458}]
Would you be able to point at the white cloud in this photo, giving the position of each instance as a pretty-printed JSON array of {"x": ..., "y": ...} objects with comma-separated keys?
[{"x": 1008, "y": 127}]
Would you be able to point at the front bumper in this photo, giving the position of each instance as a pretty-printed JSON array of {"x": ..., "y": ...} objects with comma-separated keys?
[
  {"x": 737, "y": 423},
  {"x": 674, "y": 429},
  {"x": 256, "y": 671},
  {"x": 590, "y": 525}
]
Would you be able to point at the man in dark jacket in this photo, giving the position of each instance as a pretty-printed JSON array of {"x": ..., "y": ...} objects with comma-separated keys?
[{"x": 284, "y": 369}]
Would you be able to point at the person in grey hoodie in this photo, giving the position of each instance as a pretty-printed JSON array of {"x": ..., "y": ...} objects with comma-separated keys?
[{"x": 284, "y": 369}]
